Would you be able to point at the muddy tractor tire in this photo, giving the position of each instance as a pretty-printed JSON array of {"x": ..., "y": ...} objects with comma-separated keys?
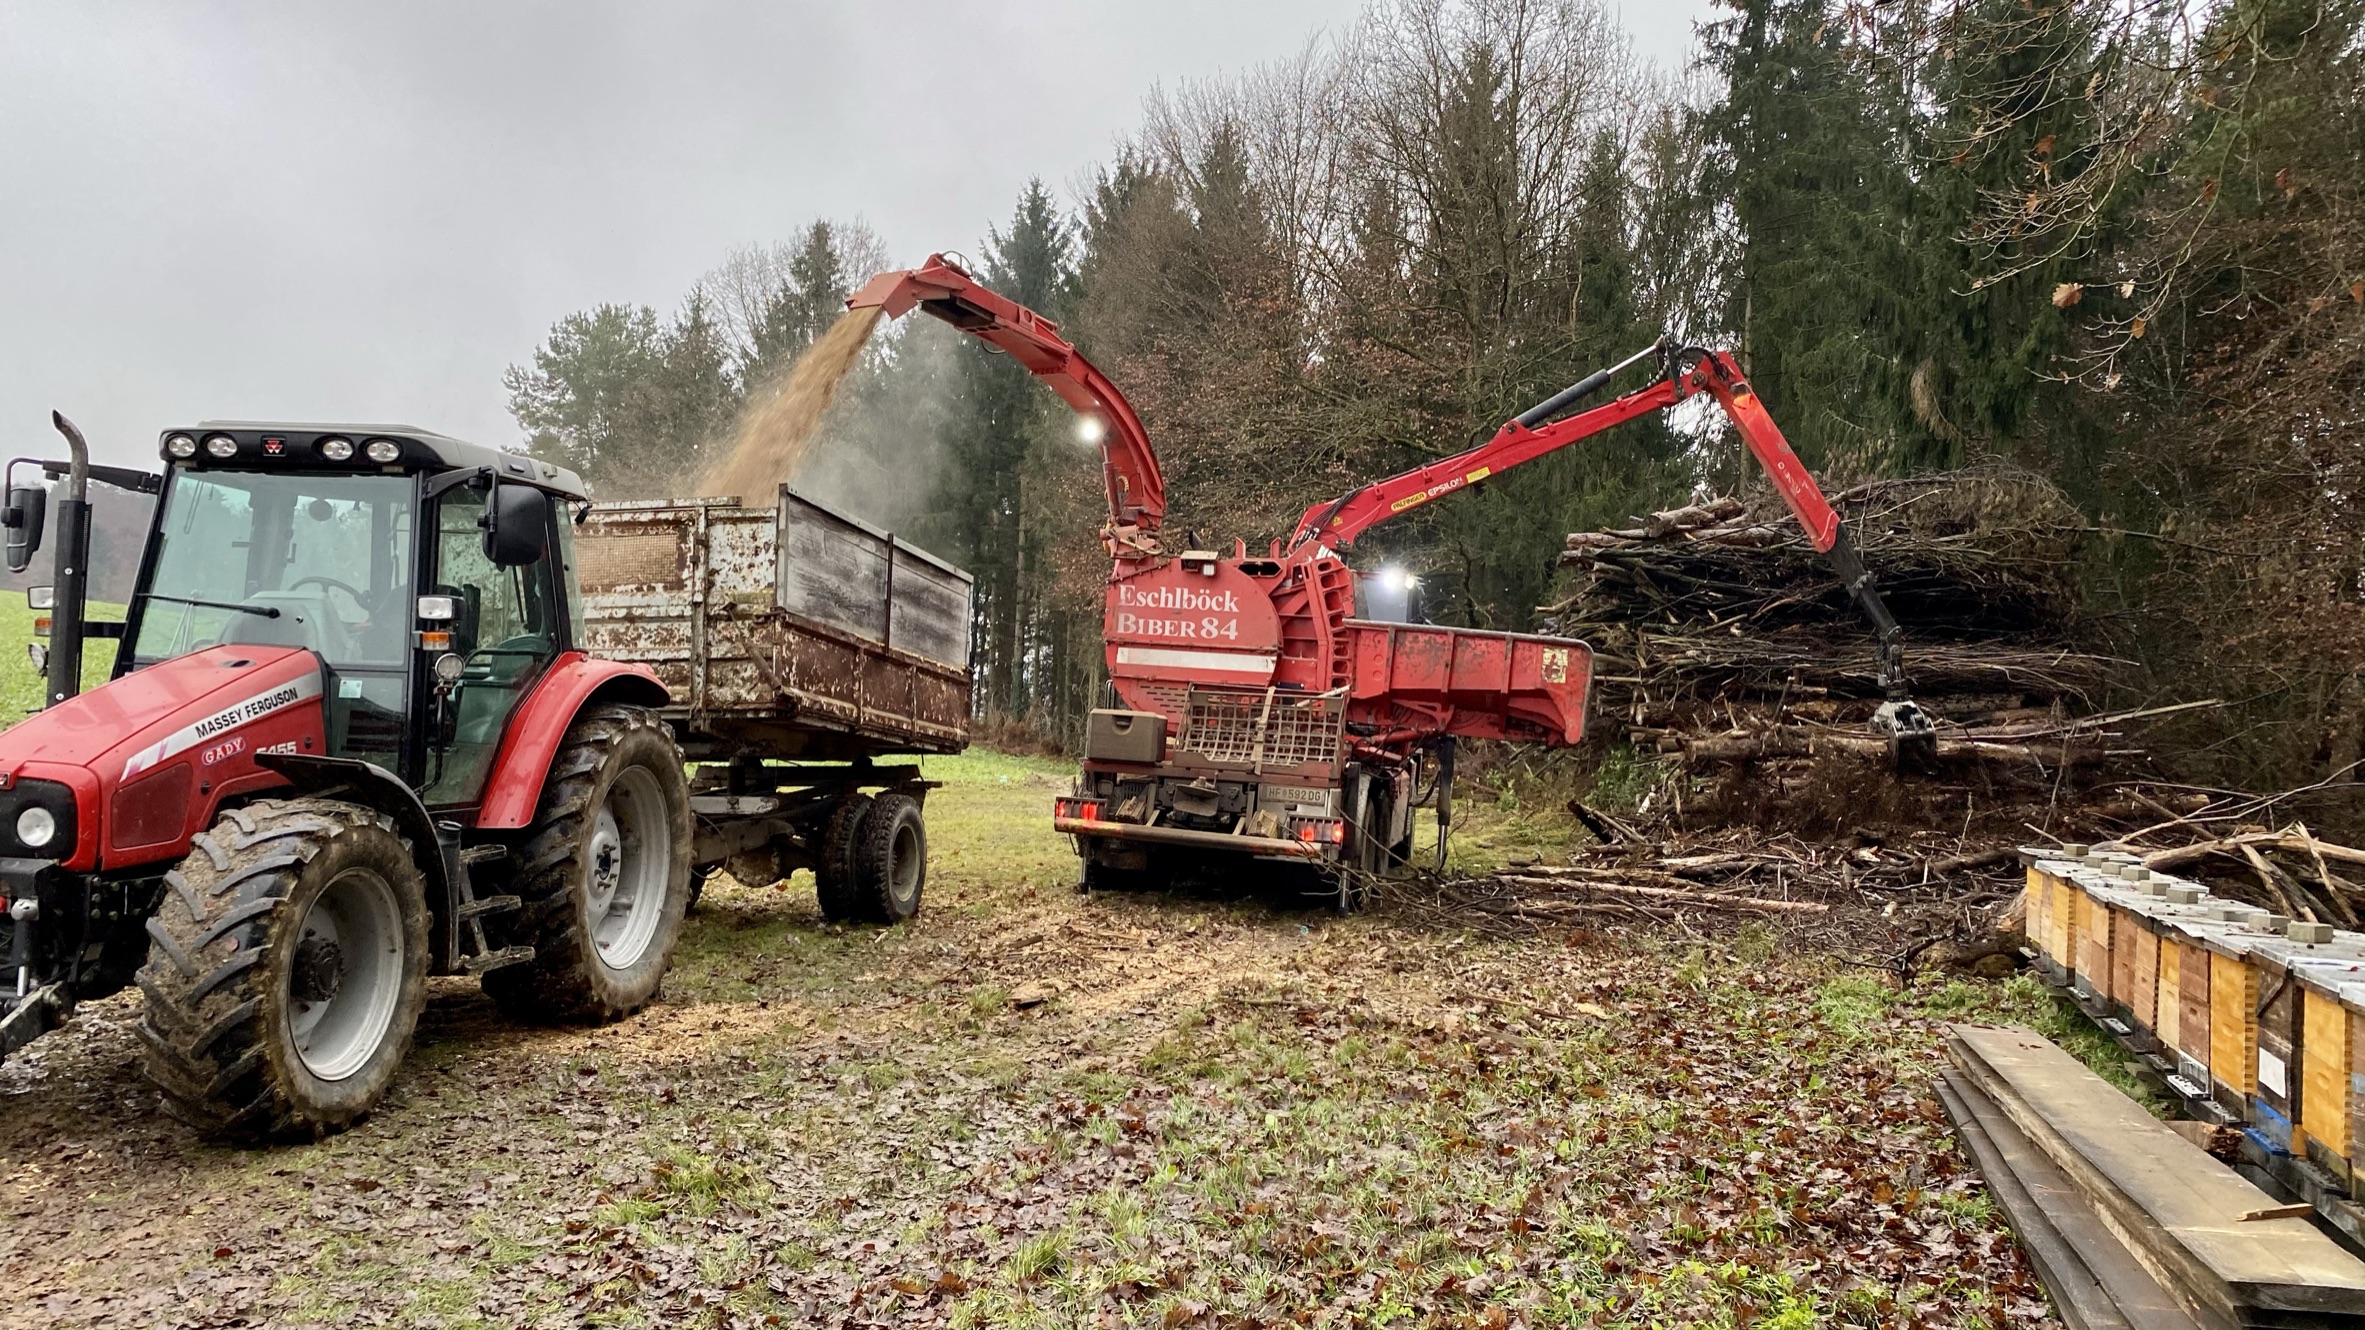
[
  {"x": 835, "y": 888},
  {"x": 286, "y": 968},
  {"x": 606, "y": 873},
  {"x": 890, "y": 860}
]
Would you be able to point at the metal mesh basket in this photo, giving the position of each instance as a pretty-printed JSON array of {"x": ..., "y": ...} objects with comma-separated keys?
[{"x": 1263, "y": 729}]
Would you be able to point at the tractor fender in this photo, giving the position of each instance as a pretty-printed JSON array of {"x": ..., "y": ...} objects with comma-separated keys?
[
  {"x": 356, "y": 781},
  {"x": 574, "y": 681}
]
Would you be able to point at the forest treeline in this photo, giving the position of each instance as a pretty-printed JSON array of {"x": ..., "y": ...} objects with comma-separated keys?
[{"x": 2117, "y": 242}]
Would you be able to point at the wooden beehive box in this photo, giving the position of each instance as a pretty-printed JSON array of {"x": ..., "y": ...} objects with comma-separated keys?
[
  {"x": 2327, "y": 1103},
  {"x": 2233, "y": 1017},
  {"x": 2184, "y": 997},
  {"x": 2142, "y": 983},
  {"x": 2093, "y": 937}
]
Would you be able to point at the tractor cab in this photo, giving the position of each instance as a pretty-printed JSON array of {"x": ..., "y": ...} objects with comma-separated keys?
[{"x": 417, "y": 568}]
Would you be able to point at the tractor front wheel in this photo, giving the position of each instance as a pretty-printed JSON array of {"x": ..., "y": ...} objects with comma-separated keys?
[
  {"x": 606, "y": 876},
  {"x": 286, "y": 968}
]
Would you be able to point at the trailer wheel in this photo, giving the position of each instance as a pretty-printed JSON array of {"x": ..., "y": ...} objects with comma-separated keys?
[
  {"x": 890, "y": 860},
  {"x": 286, "y": 969},
  {"x": 835, "y": 888},
  {"x": 607, "y": 873}
]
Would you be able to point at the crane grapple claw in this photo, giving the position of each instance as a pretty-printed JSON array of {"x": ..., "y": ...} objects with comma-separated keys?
[{"x": 1912, "y": 735}]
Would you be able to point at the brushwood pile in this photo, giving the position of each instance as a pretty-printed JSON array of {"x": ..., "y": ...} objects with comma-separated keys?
[{"x": 1725, "y": 644}]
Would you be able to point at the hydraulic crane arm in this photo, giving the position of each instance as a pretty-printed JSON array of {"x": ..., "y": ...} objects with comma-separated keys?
[
  {"x": 1685, "y": 371},
  {"x": 1137, "y": 492},
  {"x": 1526, "y": 438}
]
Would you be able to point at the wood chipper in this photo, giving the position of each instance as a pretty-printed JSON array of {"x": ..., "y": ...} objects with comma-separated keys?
[
  {"x": 386, "y": 704},
  {"x": 1256, "y": 715}
]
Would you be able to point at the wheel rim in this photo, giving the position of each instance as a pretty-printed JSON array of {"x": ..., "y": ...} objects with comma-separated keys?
[
  {"x": 629, "y": 862},
  {"x": 345, "y": 980},
  {"x": 904, "y": 875}
]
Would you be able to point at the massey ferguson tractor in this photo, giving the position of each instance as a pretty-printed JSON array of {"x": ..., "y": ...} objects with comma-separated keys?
[
  {"x": 354, "y": 737},
  {"x": 1257, "y": 717}
]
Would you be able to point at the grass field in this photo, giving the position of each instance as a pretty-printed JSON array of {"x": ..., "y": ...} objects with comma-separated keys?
[
  {"x": 1033, "y": 1109},
  {"x": 20, "y": 686}
]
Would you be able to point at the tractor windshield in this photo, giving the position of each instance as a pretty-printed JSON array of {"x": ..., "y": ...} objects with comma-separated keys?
[{"x": 322, "y": 562}]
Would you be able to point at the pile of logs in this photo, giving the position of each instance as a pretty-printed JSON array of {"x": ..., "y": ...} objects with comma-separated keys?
[{"x": 1721, "y": 636}]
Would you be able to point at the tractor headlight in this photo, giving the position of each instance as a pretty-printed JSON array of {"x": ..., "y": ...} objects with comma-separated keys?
[
  {"x": 180, "y": 445},
  {"x": 221, "y": 445},
  {"x": 385, "y": 452},
  {"x": 37, "y": 819},
  {"x": 336, "y": 450}
]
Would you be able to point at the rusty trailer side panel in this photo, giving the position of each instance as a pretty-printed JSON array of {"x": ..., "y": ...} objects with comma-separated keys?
[{"x": 726, "y": 604}]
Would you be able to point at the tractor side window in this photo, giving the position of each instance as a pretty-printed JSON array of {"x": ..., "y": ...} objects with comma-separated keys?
[{"x": 504, "y": 633}]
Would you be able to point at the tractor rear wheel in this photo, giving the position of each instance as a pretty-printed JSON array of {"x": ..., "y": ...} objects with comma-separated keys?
[
  {"x": 606, "y": 873},
  {"x": 286, "y": 968}
]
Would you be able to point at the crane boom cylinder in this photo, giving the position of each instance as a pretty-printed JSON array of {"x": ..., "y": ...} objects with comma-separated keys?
[{"x": 1583, "y": 388}]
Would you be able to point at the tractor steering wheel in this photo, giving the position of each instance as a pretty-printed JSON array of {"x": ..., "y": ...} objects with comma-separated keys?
[{"x": 345, "y": 587}]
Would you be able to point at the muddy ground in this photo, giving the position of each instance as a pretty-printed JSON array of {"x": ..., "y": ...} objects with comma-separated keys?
[{"x": 1036, "y": 1109}]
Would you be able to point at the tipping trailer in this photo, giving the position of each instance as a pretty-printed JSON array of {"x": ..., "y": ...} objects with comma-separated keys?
[
  {"x": 387, "y": 704},
  {"x": 799, "y": 646}
]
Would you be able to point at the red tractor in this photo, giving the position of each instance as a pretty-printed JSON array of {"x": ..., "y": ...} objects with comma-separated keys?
[
  {"x": 1257, "y": 715},
  {"x": 279, "y": 817},
  {"x": 380, "y": 710}
]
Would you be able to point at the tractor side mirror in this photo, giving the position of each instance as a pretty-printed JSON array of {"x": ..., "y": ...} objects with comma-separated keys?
[
  {"x": 516, "y": 526},
  {"x": 28, "y": 508}
]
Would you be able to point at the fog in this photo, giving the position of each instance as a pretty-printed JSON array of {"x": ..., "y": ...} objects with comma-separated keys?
[{"x": 365, "y": 213}]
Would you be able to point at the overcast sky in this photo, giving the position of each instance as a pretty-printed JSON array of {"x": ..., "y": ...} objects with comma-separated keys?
[{"x": 366, "y": 212}]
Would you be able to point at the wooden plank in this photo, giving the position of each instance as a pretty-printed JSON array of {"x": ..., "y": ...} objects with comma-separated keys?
[
  {"x": 2178, "y": 1209},
  {"x": 2324, "y": 1075},
  {"x": 2095, "y": 1282}
]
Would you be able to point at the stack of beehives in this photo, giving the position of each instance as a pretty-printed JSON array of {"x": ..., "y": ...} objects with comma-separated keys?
[
  {"x": 2253, "y": 1021},
  {"x": 2251, "y": 1017}
]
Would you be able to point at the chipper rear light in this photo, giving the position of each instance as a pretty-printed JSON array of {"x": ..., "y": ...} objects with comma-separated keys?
[
  {"x": 1320, "y": 831},
  {"x": 1082, "y": 810}
]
